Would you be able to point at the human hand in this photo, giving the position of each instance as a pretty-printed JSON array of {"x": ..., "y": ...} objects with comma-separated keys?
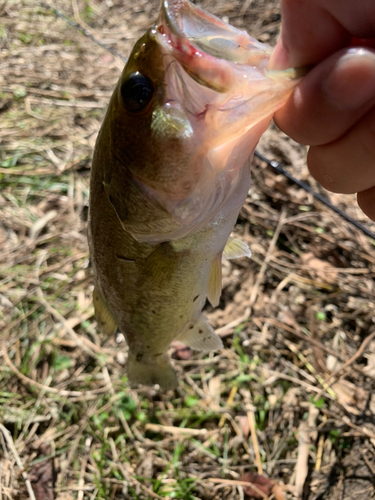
[{"x": 333, "y": 107}]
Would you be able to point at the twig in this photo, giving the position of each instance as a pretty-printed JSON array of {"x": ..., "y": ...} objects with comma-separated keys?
[
  {"x": 121, "y": 415},
  {"x": 81, "y": 481},
  {"x": 227, "y": 329},
  {"x": 80, "y": 28},
  {"x": 128, "y": 479},
  {"x": 79, "y": 20},
  {"x": 311, "y": 369},
  {"x": 335, "y": 375},
  {"x": 306, "y": 435},
  {"x": 368, "y": 463},
  {"x": 319, "y": 453},
  {"x": 350, "y": 361},
  {"x": 302, "y": 336},
  {"x": 276, "y": 165},
  {"x": 276, "y": 375},
  {"x": 230, "y": 399},
  {"x": 92, "y": 350},
  {"x": 12, "y": 326},
  {"x": 250, "y": 416},
  {"x": 69, "y": 104},
  {"x": 362, "y": 430},
  {"x": 317, "y": 351},
  {"x": 75, "y": 444},
  {"x": 52, "y": 390},
  {"x": 303, "y": 458},
  {"x": 8, "y": 437},
  {"x": 260, "y": 277},
  {"x": 179, "y": 431},
  {"x": 233, "y": 482}
]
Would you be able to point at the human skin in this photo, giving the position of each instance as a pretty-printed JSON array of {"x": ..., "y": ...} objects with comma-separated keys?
[{"x": 333, "y": 108}]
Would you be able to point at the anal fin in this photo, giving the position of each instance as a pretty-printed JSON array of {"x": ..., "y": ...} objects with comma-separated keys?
[
  {"x": 104, "y": 318},
  {"x": 235, "y": 249},
  {"x": 214, "y": 283},
  {"x": 201, "y": 336}
]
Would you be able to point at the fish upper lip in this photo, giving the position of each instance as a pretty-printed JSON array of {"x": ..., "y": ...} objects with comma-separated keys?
[
  {"x": 210, "y": 71},
  {"x": 167, "y": 17}
]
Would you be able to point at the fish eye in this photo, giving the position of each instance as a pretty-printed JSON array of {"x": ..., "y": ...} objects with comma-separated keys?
[{"x": 136, "y": 92}]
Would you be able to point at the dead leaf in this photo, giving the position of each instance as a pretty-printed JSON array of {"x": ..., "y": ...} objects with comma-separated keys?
[
  {"x": 261, "y": 487},
  {"x": 277, "y": 492},
  {"x": 370, "y": 368},
  {"x": 42, "y": 475},
  {"x": 321, "y": 268},
  {"x": 214, "y": 388},
  {"x": 303, "y": 458},
  {"x": 243, "y": 423},
  {"x": 307, "y": 435},
  {"x": 372, "y": 405},
  {"x": 332, "y": 363},
  {"x": 145, "y": 468},
  {"x": 39, "y": 225},
  {"x": 182, "y": 350},
  {"x": 352, "y": 397}
]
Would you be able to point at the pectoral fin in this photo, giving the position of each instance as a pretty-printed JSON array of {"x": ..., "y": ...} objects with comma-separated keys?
[
  {"x": 201, "y": 336},
  {"x": 235, "y": 249},
  {"x": 104, "y": 318},
  {"x": 214, "y": 284}
]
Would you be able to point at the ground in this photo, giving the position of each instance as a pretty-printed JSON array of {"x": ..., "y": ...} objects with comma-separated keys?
[{"x": 288, "y": 405}]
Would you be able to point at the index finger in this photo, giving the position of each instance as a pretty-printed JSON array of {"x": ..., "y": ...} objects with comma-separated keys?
[{"x": 312, "y": 30}]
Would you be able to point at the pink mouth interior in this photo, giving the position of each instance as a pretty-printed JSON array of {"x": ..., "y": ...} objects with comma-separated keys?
[{"x": 207, "y": 47}]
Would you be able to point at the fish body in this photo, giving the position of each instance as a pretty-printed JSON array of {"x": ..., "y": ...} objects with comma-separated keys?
[{"x": 170, "y": 173}]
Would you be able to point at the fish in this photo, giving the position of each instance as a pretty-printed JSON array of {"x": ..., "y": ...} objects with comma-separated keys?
[{"x": 170, "y": 173}]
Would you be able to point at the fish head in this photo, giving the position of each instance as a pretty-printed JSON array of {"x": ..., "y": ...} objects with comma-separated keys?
[{"x": 188, "y": 110}]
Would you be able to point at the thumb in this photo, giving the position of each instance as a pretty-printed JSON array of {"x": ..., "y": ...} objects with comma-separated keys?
[{"x": 279, "y": 58}]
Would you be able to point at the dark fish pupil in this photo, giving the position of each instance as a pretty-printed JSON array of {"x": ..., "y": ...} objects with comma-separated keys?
[{"x": 136, "y": 92}]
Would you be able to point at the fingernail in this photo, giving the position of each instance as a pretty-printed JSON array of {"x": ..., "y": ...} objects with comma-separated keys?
[
  {"x": 279, "y": 58},
  {"x": 327, "y": 179},
  {"x": 351, "y": 83}
]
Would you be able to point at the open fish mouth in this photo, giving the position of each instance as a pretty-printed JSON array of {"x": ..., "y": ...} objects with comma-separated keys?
[
  {"x": 217, "y": 98},
  {"x": 211, "y": 51},
  {"x": 211, "y": 63}
]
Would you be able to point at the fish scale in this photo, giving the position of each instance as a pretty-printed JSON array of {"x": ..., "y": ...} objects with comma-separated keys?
[{"x": 169, "y": 176}]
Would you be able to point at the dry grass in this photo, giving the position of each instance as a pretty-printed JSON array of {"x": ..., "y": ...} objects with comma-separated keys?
[{"x": 291, "y": 395}]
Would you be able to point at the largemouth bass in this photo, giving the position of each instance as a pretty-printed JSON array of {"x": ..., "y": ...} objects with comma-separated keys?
[{"x": 169, "y": 176}]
